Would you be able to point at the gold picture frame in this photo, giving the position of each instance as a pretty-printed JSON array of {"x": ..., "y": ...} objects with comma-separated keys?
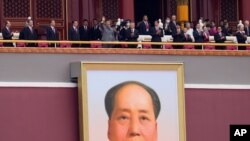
[{"x": 86, "y": 67}]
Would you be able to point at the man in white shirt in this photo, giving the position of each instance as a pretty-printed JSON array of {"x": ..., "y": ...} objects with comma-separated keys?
[{"x": 132, "y": 35}]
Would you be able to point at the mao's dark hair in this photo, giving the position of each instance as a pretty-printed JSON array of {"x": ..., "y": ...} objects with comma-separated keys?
[{"x": 110, "y": 97}]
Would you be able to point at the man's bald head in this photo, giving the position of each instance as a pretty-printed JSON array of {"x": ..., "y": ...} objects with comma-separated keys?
[{"x": 111, "y": 94}]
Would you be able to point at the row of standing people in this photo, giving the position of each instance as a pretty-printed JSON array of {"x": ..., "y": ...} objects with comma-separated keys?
[
  {"x": 128, "y": 32},
  {"x": 201, "y": 35},
  {"x": 27, "y": 33},
  {"x": 84, "y": 33},
  {"x": 201, "y": 32},
  {"x": 106, "y": 31}
]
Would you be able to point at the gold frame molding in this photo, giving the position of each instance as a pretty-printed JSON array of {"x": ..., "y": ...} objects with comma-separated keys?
[{"x": 83, "y": 96}]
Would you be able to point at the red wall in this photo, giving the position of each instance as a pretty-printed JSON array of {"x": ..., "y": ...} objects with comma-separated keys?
[
  {"x": 90, "y": 9},
  {"x": 38, "y": 114},
  {"x": 210, "y": 112},
  {"x": 127, "y": 9},
  {"x": 208, "y": 9},
  {"x": 83, "y": 9},
  {"x": 244, "y": 9},
  {"x": 51, "y": 114}
]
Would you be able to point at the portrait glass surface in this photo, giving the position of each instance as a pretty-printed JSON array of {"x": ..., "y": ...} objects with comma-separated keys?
[{"x": 133, "y": 99}]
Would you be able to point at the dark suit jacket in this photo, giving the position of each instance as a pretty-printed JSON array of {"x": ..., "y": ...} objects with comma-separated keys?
[
  {"x": 28, "y": 34},
  {"x": 156, "y": 37},
  {"x": 172, "y": 27},
  {"x": 122, "y": 35},
  {"x": 51, "y": 35},
  {"x": 73, "y": 34},
  {"x": 178, "y": 37},
  {"x": 226, "y": 31},
  {"x": 130, "y": 36},
  {"x": 167, "y": 30},
  {"x": 198, "y": 37},
  {"x": 7, "y": 36},
  {"x": 84, "y": 34},
  {"x": 95, "y": 33},
  {"x": 21, "y": 35},
  {"x": 218, "y": 38},
  {"x": 241, "y": 38},
  {"x": 187, "y": 38},
  {"x": 143, "y": 29},
  {"x": 247, "y": 32}
]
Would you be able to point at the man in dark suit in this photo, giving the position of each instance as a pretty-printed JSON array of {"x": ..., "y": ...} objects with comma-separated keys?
[
  {"x": 178, "y": 37},
  {"x": 247, "y": 28},
  {"x": 226, "y": 30},
  {"x": 21, "y": 34},
  {"x": 156, "y": 33},
  {"x": 172, "y": 24},
  {"x": 84, "y": 31},
  {"x": 167, "y": 27},
  {"x": 198, "y": 36},
  {"x": 52, "y": 33},
  {"x": 144, "y": 26},
  {"x": 95, "y": 31},
  {"x": 7, "y": 34},
  {"x": 122, "y": 36},
  {"x": 241, "y": 37},
  {"x": 30, "y": 34},
  {"x": 132, "y": 34},
  {"x": 74, "y": 33},
  {"x": 220, "y": 37}
]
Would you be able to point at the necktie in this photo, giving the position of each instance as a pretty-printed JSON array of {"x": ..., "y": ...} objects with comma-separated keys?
[{"x": 147, "y": 26}]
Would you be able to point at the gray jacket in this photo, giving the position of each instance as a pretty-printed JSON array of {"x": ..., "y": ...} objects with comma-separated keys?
[{"x": 108, "y": 33}]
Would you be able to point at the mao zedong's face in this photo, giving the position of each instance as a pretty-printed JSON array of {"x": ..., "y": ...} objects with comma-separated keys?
[{"x": 133, "y": 116}]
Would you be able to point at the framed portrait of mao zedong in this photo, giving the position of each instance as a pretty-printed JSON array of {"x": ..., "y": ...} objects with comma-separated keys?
[{"x": 131, "y": 101}]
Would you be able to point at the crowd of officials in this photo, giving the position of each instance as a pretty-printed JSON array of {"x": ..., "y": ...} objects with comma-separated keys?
[{"x": 126, "y": 30}]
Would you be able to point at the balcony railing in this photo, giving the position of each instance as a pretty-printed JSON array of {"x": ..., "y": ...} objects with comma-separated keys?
[{"x": 140, "y": 45}]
